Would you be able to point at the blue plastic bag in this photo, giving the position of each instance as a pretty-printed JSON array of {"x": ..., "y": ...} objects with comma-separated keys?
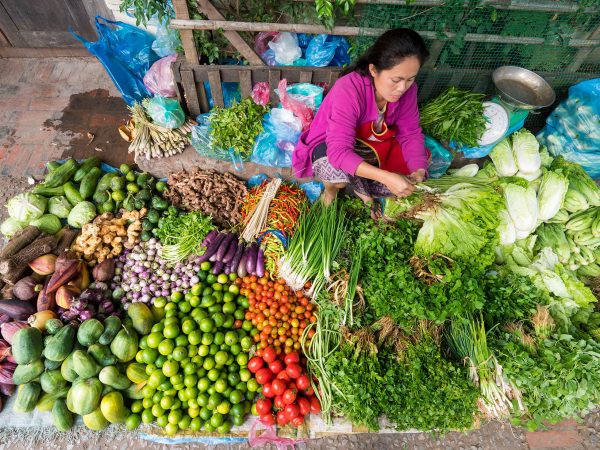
[
  {"x": 275, "y": 145},
  {"x": 203, "y": 144},
  {"x": 165, "y": 112},
  {"x": 573, "y": 128},
  {"x": 231, "y": 93},
  {"x": 126, "y": 53},
  {"x": 322, "y": 49},
  {"x": 167, "y": 41},
  {"x": 440, "y": 157}
]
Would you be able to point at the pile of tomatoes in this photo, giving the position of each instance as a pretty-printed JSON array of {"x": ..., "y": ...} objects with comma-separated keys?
[
  {"x": 278, "y": 314},
  {"x": 288, "y": 394}
]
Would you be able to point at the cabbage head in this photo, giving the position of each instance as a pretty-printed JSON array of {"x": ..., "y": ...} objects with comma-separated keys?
[
  {"x": 26, "y": 207},
  {"x": 48, "y": 223},
  {"x": 522, "y": 206},
  {"x": 506, "y": 229},
  {"x": 551, "y": 195},
  {"x": 82, "y": 213},
  {"x": 11, "y": 226},
  {"x": 59, "y": 206},
  {"x": 502, "y": 156},
  {"x": 526, "y": 150}
]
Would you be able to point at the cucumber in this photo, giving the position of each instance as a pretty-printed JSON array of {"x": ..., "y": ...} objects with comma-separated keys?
[
  {"x": 40, "y": 189},
  {"x": 52, "y": 165},
  {"x": 72, "y": 193},
  {"x": 89, "y": 182},
  {"x": 85, "y": 168},
  {"x": 62, "y": 174}
]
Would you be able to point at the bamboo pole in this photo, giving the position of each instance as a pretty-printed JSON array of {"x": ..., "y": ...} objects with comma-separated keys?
[{"x": 187, "y": 35}]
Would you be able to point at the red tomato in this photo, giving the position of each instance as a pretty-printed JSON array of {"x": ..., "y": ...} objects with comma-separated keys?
[
  {"x": 298, "y": 420},
  {"x": 267, "y": 391},
  {"x": 291, "y": 411},
  {"x": 279, "y": 386},
  {"x": 315, "y": 406},
  {"x": 276, "y": 366},
  {"x": 292, "y": 358},
  {"x": 303, "y": 382},
  {"x": 293, "y": 370},
  {"x": 292, "y": 385},
  {"x": 309, "y": 392},
  {"x": 263, "y": 406},
  {"x": 281, "y": 418},
  {"x": 255, "y": 364},
  {"x": 304, "y": 405},
  {"x": 289, "y": 396},
  {"x": 279, "y": 402},
  {"x": 283, "y": 376},
  {"x": 264, "y": 375},
  {"x": 268, "y": 419},
  {"x": 269, "y": 354}
]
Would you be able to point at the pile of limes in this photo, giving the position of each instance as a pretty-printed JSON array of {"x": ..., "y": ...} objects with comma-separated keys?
[{"x": 196, "y": 358}]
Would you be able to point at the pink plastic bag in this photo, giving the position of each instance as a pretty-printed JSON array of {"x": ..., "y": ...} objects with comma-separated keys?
[
  {"x": 260, "y": 93},
  {"x": 262, "y": 39},
  {"x": 159, "y": 78},
  {"x": 300, "y": 110},
  {"x": 270, "y": 437}
]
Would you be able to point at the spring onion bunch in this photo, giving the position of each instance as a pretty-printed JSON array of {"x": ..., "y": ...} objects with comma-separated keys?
[
  {"x": 182, "y": 235},
  {"x": 313, "y": 247},
  {"x": 468, "y": 340}
]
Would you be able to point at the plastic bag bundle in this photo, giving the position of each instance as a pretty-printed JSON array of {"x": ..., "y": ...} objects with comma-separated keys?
[
  {"x": 260, "y": 93},
  {"x": 322, "y": 49},
  {"x": 203, "y": 143},
  {"x": 231, "y": 93},
  {"x": 165, "y": 112},
  {"x": 159, "y": 79},
  {"x": 286, "y": 48},
  {"x": 300, "y": 110},
  {"x": 126, "y": 53},
  {"x": 573, "y": 128},
  {"x": 262, "y": 39},
  {"x": 440, "y": 157},
  {"x": 275, "y": 145},
  {"x": 309, "y": 94},
  {"x": 166, "y": 42}
]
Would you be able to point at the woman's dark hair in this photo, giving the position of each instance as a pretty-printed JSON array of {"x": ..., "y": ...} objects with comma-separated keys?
[{"x": 390, "y": 49}]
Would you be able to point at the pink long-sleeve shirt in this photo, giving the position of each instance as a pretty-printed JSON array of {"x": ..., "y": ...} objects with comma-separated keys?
[{"x": 349, "y": 104}]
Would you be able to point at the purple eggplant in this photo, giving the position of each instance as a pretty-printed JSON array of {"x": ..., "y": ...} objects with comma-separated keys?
[
  {"x": 218, "y": 268},
  {"x": 230, "y": 253},
  {"x": 227, "y": 269},
  {"x": 251, "y": 261},
  {"x": 224, "y": 246},
  {"x": 260, "y": 263},
  {"x": 212, "y": 248},
  {"x": 241, "y": 268},
  {"x": 239, "y": 252},
  {"x": 209, "y": 238}
]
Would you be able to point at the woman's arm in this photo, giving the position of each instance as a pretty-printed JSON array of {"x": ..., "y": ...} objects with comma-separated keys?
[
  {"x": 410, "y": 136},
  {"x": 397, "y": 184}
]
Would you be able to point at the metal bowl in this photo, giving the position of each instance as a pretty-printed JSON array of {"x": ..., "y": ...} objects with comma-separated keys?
[{"x": 522, "y": 88}]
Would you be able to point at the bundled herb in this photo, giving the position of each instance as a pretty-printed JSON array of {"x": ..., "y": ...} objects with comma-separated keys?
[
  {"x": 236, "y": 127},
  {"x": 182, "y": 235},
  {"x": 468, "y": 341},
  {"x": 455, "y": 115}
]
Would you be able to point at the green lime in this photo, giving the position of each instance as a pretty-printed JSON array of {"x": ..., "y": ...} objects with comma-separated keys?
[
  {"x": 228, "y": 308},
  {"x": 166, "y": 347},
  {"x": 171, "y": 429},
  {"x": 247, "y": 325},
  {"x": 196, "y": 289},
  {"x": 191, "y": 392},
  {"x": 224, "y": 407},
  {"x": 189, "y": 368},
  {"x": 233, "y": 379},
  {"x": 217, "y": 287},
  {"x": 245, "y": 375},
  {"x": 239, "y": 314},
  {"x": 236, "y": 397},
  {"x": 176, "y": 380},
  {"x": 196, "y": 424},
  {"x": 218, "y": 319},
  {"x": 231, "y": 338},
  {"x": 205, "y": 413},
  {"x": 147, "y": 416},
  {"x": 207, "y": 325},
  {"x": 157, "y": 411},
  {"x": 190, "y": 380},
  {"x": 241, "y": 386},
  {"x": 213, "y": 374},
  {"x": 176, "y": 296},
  {"x": 124, "y": 168},
  {"x": 166, "y": 402},
  {"x": 139, "y": 356},
  {"x": 224, "y": 428},
  {"x": 229, "y": 321},
  {"x": 185, "y": 307},
  {"x": 216, "y": 420},
  {"x": 170, "y": 368},
  {"x": 252, "y": 385},
  {"x": 203, "y": 350},
  {"x": 171, "y": 331},
  {"x": 228, "y": 297},
  {"x": 202, "y": 399},
  {"x": 193, "y": 404},
  {"x": 214, "y": 400},
  {"x": 237, "y": 410},
  {"x": 162, "y": 421},
  {"x": 149, "y": 355},
  {"x": 238, "y": 420},
  {"x": 160, "y": 361},
  {"x": 148, "y": 391},
  {"x": 210, "y": 279},
  {"x": 195, "y": 301},
  {"x": 246, "y": 343},
  {"x": 180, "y": 353},
  {"x": 130, "y": 176},
  {"x": 214, "y": 348},
  {"x": 137, "y": 406},
  {"x": 221, "y": 358},
  {"x": 209, "y": 363},
  {"x": 222, "y": 278},
  {"x": 184, "y": 423},
  {"x": 235, "y": 349},
  {"x": 175, "y": 416},
  {"x": 156, "y": 379},
  {"x": 207, "y": 338},
  {"x": 220, "y": 386}
]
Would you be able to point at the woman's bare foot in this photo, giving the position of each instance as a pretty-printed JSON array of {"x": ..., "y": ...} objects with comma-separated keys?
[{"x": 373, "y": 205}]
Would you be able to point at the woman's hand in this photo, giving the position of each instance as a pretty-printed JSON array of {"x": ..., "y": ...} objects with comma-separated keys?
[
  {"x": 418, "y": 176},
  {"x": 398, "y": 185}
]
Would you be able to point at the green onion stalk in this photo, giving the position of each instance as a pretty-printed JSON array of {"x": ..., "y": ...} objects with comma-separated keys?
[
  {"x": 348, "y": 317},
  {"x": 182, "y": 236},
  {"x": 313, "y": 247},
  {"x": 467, "y": 339}
]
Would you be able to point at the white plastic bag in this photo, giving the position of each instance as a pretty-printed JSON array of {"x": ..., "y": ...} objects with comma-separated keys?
[
  {"x": 159, "y": 79},
  {"x": 286, "y": 48}
]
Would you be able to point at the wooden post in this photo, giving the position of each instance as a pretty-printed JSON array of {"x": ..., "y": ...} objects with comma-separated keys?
[
  {"x": 232, "y": 36},
  {"x": 187, "y": 36}
]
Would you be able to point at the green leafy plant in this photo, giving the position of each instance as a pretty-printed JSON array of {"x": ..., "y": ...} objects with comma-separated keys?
[{"x": 144, "y": 10}]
